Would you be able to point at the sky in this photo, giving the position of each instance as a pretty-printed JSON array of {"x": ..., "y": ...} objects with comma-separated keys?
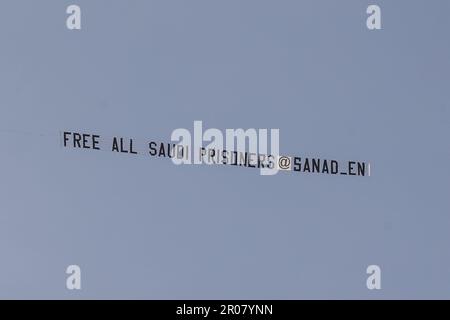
[{"x": 141, "y": 227}]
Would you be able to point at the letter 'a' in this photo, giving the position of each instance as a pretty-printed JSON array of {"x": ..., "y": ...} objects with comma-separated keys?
[{"x": 73, "y": 21}]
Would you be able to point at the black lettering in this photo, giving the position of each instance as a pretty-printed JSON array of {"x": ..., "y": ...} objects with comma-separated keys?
[
  {"x": 131, "y": 147},
  {"x": 250, "y": 165},
  {"x": 306, "y": 167},
  {"x": 211, "y": 155},
  {"x": 225, "y": 157},
  {"x": 85, "y": 141},
  {"x": 325, "y": 167},
  {"x": 95, "y": 142},
  {"x": 334, "y": 167},
  {"x": 261, "y": 160},
  {"x": 361, "y": 169},
  {"x": 351, "y": 168},
  {"x": 297, "y": 164},
  {"x": 115, "y": 146},
  {"x": 235, "y": 154},
  {"x": 243, "y": 159},
  {"x": 162, "y": 152},
  {"x": 271, "y": 161},
  {"x": 202, "y": 153},
  {"x": 122, "y": 149},
  {"x": 65, "y": 138},
  {"x": 152, "y": 148},
  {"x": 76, "y": 140},
  {"x": 316, "y": 165}
]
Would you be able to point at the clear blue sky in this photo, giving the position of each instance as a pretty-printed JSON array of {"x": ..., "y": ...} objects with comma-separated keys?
[{"x": 145, "y": 228}]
